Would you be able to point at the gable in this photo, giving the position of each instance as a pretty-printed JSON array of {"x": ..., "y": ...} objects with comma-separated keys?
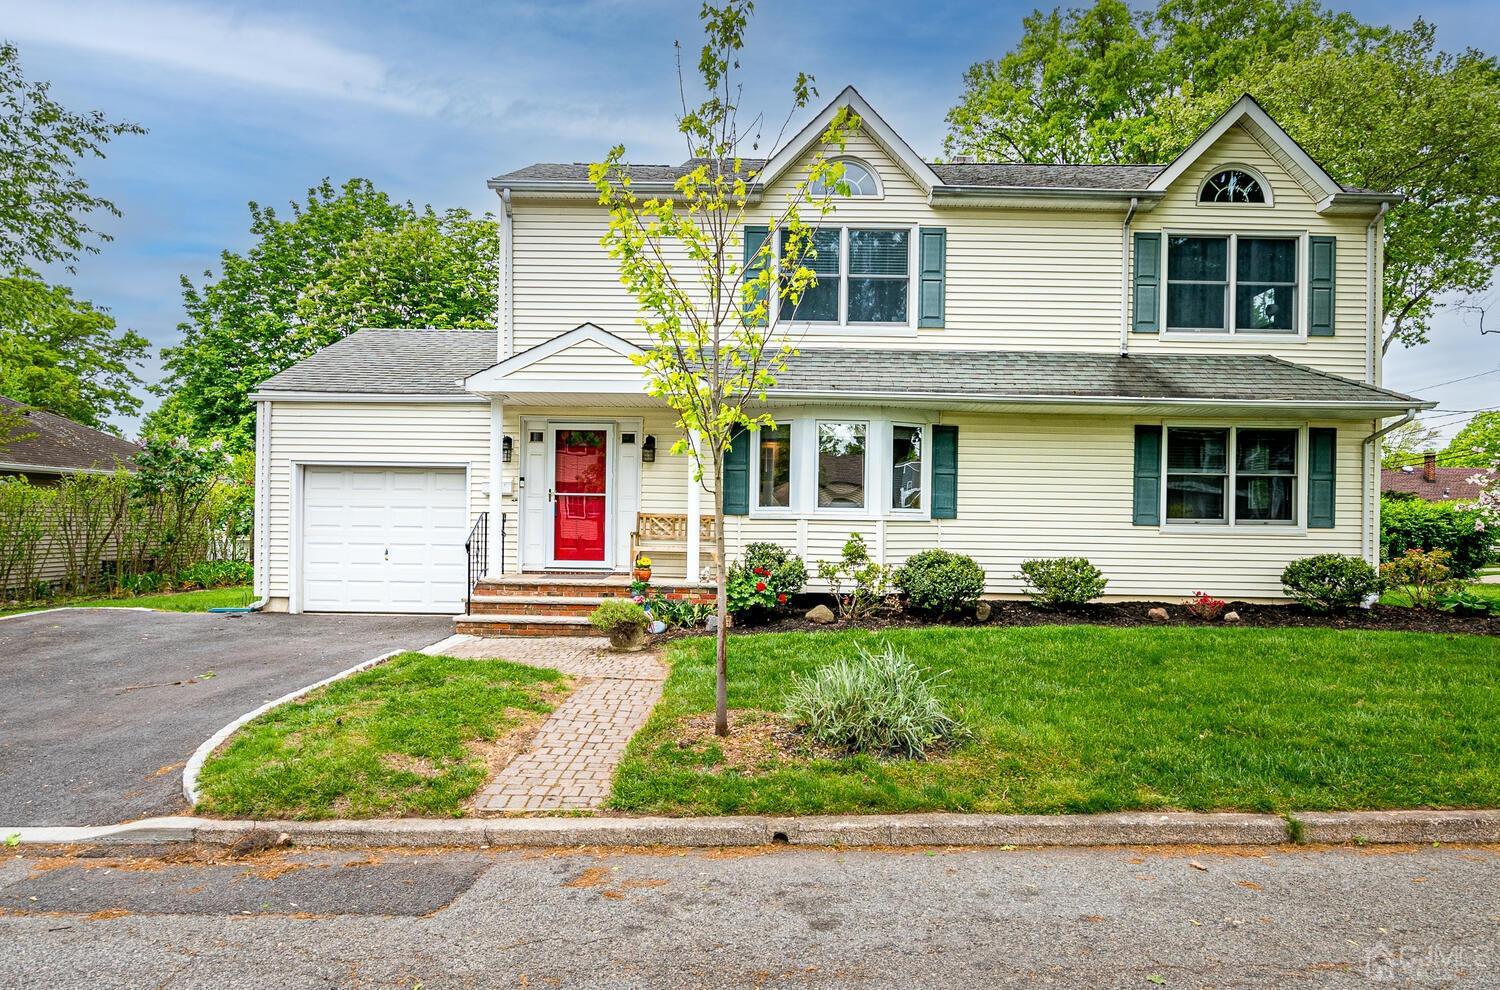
[
  {"x": 872, "y": 128},
  {"x": 587, "y": 354},
  {"x": 1289, "y": 187}
]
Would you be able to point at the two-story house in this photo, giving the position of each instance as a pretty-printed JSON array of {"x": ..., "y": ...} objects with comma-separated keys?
[{"x": 1172, "y": 370}]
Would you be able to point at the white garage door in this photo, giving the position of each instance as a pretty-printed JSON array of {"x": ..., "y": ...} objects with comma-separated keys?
[{"x": 383, "y": 539}]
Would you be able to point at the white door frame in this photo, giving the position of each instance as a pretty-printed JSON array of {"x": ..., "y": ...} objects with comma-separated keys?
[
  {"x": 611, "y": 490},
  {"x": 297, "y": 467}
]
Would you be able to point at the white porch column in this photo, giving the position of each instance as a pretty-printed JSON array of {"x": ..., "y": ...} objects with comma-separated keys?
[
  {"x": 497, "y": 478},
  {"x": 694, "y": 511}
]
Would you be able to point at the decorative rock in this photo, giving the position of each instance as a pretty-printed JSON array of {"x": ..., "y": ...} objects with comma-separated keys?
[
  {"x": 982, "y": 611},
  {"x": 1232, "y": 617},
  {"x": 1157, "y": 615},
  {"x": 821, "y": 614}
]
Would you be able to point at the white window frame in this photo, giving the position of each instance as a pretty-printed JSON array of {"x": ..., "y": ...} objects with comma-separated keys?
[
  {"x": 1299, "y": 304},
  {"x": 1298, "y": 523},
  {"x": 878, "y": 469},
  {"x": 846, "y": 160},
  {"x": 1254, "y": 173},
  {"x": 905, "y": 328}
]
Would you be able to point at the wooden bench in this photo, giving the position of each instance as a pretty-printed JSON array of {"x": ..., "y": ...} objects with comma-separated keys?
[{"x": 667, "y": 532}]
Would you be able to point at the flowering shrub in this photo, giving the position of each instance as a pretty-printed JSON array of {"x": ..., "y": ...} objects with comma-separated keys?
[
  {"x": 764, "y": 579},
  {"x": 1062, "y": 581},
  {"x": 1205, "y": 607},
  {"x": 940, "y": 583},
  {"x": 1330, "y": 581},
  {"x": 1425, "y": 578}
]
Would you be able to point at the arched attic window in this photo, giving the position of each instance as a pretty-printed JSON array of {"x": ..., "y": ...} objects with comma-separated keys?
[
  {"x": 858, "y": 177},
  {"x": 1234, "y": 185}
]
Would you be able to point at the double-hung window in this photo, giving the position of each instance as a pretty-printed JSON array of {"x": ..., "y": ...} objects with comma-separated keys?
[
  {"x": 1231, "y": 475},
  {"x": 1236, "y": 283},
  {"x": 864, "y": 277}
]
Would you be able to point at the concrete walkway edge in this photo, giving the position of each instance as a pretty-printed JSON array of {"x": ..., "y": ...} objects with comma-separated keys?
[
  {"x": 201, "y": 754},
  {"x": 1124, "y": 828}
]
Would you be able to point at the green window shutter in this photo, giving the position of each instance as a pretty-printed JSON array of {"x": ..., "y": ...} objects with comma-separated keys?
[
  {"x": 755, "y": 236},
  {"x": 1147, "y": 511},
  {"x": 737, "y": 474},
  {"x": 1322, "y": 459},
  {"x": 931, "y": 285},
  {"x": 1322, "y": 261},
  {"x": 1147, "y": 290},
  {"x": 945, "y": 472}
]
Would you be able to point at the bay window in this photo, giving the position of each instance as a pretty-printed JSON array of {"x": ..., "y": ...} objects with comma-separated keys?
[
  {"x": 864, "y": 278},
  {"x": 841, "y": 465},
  {"x": 1240, "y": 475},
  {"x": 774, "y": 457},
  {"x": 1235, "y": 283},
  {"x": 865, "y": 465},
  {"x": 906, "y": 467}
]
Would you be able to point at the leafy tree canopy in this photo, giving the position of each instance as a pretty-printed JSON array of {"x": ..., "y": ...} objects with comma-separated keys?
[
  {"x": 1377, "y": 107},
  {"x": 1406, "y": 445},
  {"x": 44, "y": 203},
  {"x": 343, "y": 259},
  {"x": 65, "y": 355},
  {"x": 1476, "y": 445}
]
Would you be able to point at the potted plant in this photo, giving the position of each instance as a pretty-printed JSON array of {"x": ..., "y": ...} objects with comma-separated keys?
[
  {"x": 623, "y": 621},
  {"x": 642, "y": 568}
]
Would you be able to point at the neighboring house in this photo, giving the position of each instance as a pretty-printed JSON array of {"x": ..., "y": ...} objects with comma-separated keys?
[
  {"x": 1433, "y": 483},
  {"x": 44, "y": 446},
  {"x": 1171, "y": 370}
]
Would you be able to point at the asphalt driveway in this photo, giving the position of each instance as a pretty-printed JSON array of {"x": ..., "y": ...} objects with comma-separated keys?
[{"x": 100, "y": 708}]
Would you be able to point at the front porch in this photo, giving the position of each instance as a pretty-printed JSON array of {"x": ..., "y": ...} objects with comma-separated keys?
[{"x": 555, "y": 603}]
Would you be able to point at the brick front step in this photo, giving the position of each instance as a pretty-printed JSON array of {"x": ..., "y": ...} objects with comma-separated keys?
[
  {"x": 533, "y": 605},
  {"x": 523, "y": 625}
]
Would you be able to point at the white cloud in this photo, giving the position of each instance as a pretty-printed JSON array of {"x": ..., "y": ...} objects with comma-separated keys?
[{"x": 235, "y": 47}]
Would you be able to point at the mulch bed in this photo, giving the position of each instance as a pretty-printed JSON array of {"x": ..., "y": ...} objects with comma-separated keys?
[{"x": 1124, "y": 614}]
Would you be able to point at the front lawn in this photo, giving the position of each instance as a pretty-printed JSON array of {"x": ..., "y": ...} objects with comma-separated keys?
[
  {"x": 183, "y": 601},
  {"x": 412, "y": 736},
  {"x": 1091, "y": 719}
]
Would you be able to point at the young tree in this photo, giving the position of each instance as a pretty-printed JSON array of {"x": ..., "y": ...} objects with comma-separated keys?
[
  {"x": 44, "y": 203},
  {"x": 344, "y": 259},
  {"x": 710, "y": 312},
  {"x": 1378, "y": 108}
]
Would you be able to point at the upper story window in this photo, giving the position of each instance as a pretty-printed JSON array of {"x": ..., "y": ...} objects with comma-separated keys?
[
  {"x": 1233, "y": 185},
  {"x": 1233, "y": 283},
  {"x": 864, "y": 277},
  {"x": 858, "y": 178}
]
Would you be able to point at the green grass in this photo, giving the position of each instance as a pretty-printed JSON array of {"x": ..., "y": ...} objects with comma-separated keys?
[
  {"x": 1490, "y": 591},
  {"x": 393, "y": 740},
  {"x": 1088, "y": 719},
  {"x": 183, "y": 601}
]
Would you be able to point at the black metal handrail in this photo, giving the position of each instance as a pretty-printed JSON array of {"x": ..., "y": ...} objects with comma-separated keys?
[{"x": 477, "y": 546}]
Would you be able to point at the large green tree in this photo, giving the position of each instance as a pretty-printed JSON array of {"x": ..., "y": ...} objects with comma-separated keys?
[
  {"x": 1476, "y": 445},
  {"x": 65, "y": 355},
  {"x": 344, "y": 258},
  {"x": 1377, "y": 107},
  {"x": 45, "y": 204}
]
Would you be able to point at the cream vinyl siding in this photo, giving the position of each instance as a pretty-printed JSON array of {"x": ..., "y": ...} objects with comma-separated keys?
[
  {"x": 1295, "y": 211},
  {"x": 583, "y": 361},
  {"x": 1018, "y": 279},
  {"x": 373, "y": 433}
]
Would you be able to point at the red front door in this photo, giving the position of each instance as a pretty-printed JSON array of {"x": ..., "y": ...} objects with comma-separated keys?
[{"x": 579, "y": 510}]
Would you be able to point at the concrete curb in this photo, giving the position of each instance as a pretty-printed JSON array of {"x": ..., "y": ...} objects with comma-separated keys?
[
  {"x": 201, "y": 754},
  {"x": 840, "y": 831}
]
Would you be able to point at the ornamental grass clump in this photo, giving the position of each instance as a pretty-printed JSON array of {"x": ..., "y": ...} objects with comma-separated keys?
[{"x": 876, "y": 703}]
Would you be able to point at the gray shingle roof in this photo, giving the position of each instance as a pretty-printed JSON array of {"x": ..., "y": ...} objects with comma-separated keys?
[
  {"x": 391, "y": 362},
  {"x": 993, "y": 175},
  {"x": 48, "y": 441},
  {"x": 1037, "y": 375},
  {"x": 431, "y": 362}
]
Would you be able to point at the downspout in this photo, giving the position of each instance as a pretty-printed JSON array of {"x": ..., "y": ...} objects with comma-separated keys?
[
  {"x": 1373, "y": 275},
  {"x": 507, "y": 311},
  {"x": 1367, "y": 534},
  {"x": 261, "y": 572},
  {"x": 1125, "y": 278}
]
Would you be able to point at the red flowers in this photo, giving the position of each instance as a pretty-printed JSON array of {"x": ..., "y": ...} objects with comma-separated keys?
[
  {"x": 761, "y": 572},
  {"x": 760, "y": 586},
  {"x": 781, "y": 598}
]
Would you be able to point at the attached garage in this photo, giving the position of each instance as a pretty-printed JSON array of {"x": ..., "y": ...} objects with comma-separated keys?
[{"x": 383, "y": 539}]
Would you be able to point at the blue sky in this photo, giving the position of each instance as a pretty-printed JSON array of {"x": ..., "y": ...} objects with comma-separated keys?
[{"x": 260, "y": 100}]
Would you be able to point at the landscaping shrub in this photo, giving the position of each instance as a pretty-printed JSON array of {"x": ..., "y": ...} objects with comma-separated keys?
[
  {"x": 858, "y": 584},
  {"x": 1425, "y": 578},
  {"x": 1330, "y": 582},
  {"x": 214, "y": 574},
  {"x": 1205, "y": 607},
  {"x": 1062, "y": 581},
  {"x": 617, "y": 613},
  {"x": 764, "y": 579},
  {"x": 1414, "y": 524},
  {"x": 939, "y": 583},
  {"x": 1468, "y": 603},
  {"x": 877, "y": 703},
  {"x": 785, "y": 572}
]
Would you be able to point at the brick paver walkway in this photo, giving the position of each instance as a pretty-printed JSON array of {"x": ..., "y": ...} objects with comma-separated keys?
[{"x": 573, "y": 757}]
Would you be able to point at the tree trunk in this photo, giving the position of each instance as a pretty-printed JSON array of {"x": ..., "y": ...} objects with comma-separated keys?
[{"x": 721, "y": 606}]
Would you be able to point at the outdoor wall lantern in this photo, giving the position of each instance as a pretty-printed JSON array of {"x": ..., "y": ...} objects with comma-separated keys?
[
  {"x": 648, "y": 450},
  {"x": 507, "y": 449}
]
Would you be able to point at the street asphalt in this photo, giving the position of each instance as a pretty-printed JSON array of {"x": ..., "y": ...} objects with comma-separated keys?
[
  {"x": 103, "y": 707},
  {"x": 773, "y": 917}
]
